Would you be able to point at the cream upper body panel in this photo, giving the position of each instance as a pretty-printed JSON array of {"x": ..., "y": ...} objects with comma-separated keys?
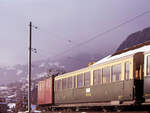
[{"x": 107, "y": 63}]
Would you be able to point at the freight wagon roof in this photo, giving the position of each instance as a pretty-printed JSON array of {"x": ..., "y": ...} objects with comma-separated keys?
[{"x": 128, "y": 53}]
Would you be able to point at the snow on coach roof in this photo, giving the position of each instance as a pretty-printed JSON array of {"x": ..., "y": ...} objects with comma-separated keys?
[{"x": 145, "y": 48}]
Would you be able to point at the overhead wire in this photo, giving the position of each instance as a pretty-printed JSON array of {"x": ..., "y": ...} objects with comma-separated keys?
[
  {"x": 97, "y": 35},
  {"x": 102, "y": 33}
]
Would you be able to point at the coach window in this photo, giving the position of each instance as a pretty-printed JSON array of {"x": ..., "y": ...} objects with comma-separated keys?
[
  {"x": 80, "y": 80},
  {"x": 87, "y": 78},
  {"x": 67, "y": 85},
  {"x": 148, "y": 65},
  {"x": 127, "y": 70},
  {"x": 75, "y": 81},
  {"x": 116, "y": 72},
  {"x": 97, "y": 77},
  {"x": 58, "y": 84},
  {"x": 106, "y": 75},
  {"x": 64, "y": 85},
  {"x": 70, "y": 82}
]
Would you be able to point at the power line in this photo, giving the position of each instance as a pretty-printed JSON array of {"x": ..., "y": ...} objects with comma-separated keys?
[
  {"x": 102, "y": 33},
  {"x": 58, "y": 36},
  {"x": 113, "y": 28},
  {"x": 98, "y": 35}
]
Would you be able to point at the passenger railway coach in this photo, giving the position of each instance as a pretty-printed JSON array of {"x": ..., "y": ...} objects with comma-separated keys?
[{"x": 120, "y": 79}]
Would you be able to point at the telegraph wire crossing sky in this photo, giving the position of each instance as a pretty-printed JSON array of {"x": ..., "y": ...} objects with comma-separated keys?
[
  {"x": 67, "y": 28},
  {"x": 98, "y": 35}
]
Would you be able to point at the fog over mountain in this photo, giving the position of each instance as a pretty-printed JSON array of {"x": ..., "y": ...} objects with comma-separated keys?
[
  {"x": 135, "y": 38},
  {"x": 40, "y": 67}
]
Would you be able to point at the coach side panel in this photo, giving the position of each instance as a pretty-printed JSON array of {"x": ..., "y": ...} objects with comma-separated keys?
[{"x": 120, "y": 90}]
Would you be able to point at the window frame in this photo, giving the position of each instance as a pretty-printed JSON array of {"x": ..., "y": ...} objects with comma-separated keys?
[
  {"x": 147, "y": 59},
  {"x": 58, "y": 83},
  {"x": 106, "y": 75},
  {"x": 114, "y": 72},
  {"x": 75, "y": 81},
  {"x": 125, "y": 70},
  {"x": 80, "y": 85},
  {"x": 98, "y": 74},
  {"x": 88, "y": 79},
  {"x": 64, "y": 85},
  {"x": 70, "y": 82}
]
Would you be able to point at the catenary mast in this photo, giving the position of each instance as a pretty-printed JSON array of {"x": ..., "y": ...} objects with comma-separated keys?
[{"x": 29, "y": 67}]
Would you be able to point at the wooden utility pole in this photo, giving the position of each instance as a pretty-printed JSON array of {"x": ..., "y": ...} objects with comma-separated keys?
[{"x": 29, "y": 67}]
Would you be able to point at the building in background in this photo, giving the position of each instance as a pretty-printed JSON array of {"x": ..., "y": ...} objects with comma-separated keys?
[{"x": 3, "y": 105}]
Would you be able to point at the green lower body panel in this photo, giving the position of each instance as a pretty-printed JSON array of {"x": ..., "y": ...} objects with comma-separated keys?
[
  {"x": 147, "y": 87},
  {"x": 121, "y": 90}
]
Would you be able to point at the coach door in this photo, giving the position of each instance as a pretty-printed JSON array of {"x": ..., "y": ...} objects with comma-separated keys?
[{"x": 138, "y": 78}]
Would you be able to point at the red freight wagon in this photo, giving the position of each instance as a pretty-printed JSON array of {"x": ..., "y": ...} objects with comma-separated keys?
[
  {"x": 48, "y": 91},
  {"x": 45, "y": 91},
  {"x": 41, "y": 92}
]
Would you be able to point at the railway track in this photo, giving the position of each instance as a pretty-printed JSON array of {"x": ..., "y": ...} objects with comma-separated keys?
[{"x": 102, "y": 112}]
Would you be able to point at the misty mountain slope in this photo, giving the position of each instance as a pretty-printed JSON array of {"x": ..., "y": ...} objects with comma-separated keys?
[
  {"x": 79, "y": 61},
  {"x": 135, "y": 38},
  {"x": 19, "y": 72},
  {"x": 40, "y": 68}
]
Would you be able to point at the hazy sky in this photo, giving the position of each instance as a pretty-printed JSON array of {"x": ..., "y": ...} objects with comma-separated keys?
[{"x": 63, "y": 24}]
